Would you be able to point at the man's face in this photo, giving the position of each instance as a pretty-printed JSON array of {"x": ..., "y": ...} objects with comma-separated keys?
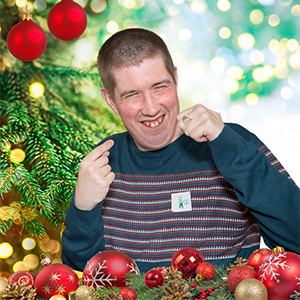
[{"x": 147, "y": 102}]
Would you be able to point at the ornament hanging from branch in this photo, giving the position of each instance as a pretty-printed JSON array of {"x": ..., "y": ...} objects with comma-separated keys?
[
  {"x": 27, "y": 40},
  {"x": 67, "y": 20}
]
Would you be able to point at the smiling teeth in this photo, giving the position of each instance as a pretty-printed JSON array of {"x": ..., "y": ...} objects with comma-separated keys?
[{"x": 154, "y": 124}]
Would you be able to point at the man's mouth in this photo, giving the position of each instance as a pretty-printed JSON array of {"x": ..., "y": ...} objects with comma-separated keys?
[{"x": 153, "y": 123}]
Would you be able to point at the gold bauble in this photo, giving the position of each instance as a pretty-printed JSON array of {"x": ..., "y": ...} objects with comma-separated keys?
[
  {"x": 57, "y": 297},
  {"x": 250, "y": 289},
  {"x": 3, "y": 284},
  {"x": 84, "y": 292}
]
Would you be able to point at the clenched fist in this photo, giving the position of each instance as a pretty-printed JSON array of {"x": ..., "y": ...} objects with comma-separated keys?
[{"x": 204, "y": 124}]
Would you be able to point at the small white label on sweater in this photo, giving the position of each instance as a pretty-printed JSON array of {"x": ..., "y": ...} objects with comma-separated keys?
[{"x": 181, "y": 202}]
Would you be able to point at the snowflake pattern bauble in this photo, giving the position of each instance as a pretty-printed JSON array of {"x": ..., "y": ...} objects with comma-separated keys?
[
  {"x": 280, "y": 273},
  {"x": 107, "y": 269},
  {"x": 258, "y": 257},
  {"x": 56, "y": 279}
]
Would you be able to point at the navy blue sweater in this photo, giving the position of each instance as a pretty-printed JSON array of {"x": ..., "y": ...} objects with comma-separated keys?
[{"x": 238, "y": 191}]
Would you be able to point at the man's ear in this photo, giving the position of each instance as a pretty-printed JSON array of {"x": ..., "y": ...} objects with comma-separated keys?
[{"x": 105, "y": 94}]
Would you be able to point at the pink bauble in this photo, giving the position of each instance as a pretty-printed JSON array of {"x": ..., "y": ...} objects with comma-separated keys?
[
  {"x": 26, "y": 41},
  {"x": 154, "y": 279},
  {"x": 280, "y": 273},
  {"x": 107, "y": 269},
  {"x": 67, "y": 20},
  {"x": 187, "y": 260},
  {"x": 56, "y": 279},
  {"x": 22, "y": 277}
]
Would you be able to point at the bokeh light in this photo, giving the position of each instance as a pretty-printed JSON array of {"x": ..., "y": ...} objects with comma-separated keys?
[
  {"x": 28, "y": 243},
  {"x": 184, "y": 34},
  {"x": 36, "y": 89},
  {"x": 112, "y": 27},
  {"x": 31, "y": 261},
  {"x": 235, "y": 72},
  {"x": 40, "y": 5},
  {"x": 5, "y": 145},
  {"x": 224, "y": 32},
  {"x": 17, "y": 155},
  {"x": 21, "y": 3},
  {"x": 19, "y": 266},
  {"x": 281, "y": 72},
  {"x": 230, "y": 85},
  {"x": 263, "y": 74},
  {"x": 292, "y": 44},
  {"x": 178, "y": 1},
  {"x": 223, "y": 5},
  {"x": 246, "y": 41},
  {"x": 294, "y": 61},
  {"x": 286, "y": 93},
  {"x": 251, "y": 99},
  {"x": 256, "y": 57},
  {"x": 296, "y": 10},
  {"x": 199, "y": 7},
  {"x": 129, "y": 4},
  {"x": 273, "y": 20},
  {"x": 218, "y": 65},
  {"x": 6, "y": 250},
  {"x": 256, "y": 16},
  {"x": 98, "y": 6},
  {"x": 280, "y": 62}
]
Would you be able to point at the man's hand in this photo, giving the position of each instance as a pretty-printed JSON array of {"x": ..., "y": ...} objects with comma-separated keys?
[
  {"x": 94, "y": 177},
  {"x": 204, "y": 124}
]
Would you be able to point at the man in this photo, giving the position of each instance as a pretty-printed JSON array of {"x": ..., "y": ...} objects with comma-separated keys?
[{"x": 173, "y": 180}]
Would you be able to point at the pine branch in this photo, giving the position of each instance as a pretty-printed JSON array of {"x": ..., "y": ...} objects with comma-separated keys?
[{"x": 5, "y": 225}]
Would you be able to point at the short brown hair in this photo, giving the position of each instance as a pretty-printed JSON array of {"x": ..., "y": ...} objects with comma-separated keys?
[{"x": 130, "y": 47}]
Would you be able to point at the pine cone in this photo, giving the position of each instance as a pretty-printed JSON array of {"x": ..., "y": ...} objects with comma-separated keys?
[
  {"x": 239, "y": 262},
  {"x": 176, "y": 290},
  {"x": 113, "y": 296},
  {"x": 173, "y": 273},
  {"x": 19, "y": 292}
]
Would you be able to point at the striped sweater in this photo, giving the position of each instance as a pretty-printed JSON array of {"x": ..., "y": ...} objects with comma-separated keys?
[{"x": 237, "y": 193}]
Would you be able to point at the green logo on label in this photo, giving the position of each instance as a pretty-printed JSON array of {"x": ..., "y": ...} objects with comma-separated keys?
[{"x": 182, "y": 202}]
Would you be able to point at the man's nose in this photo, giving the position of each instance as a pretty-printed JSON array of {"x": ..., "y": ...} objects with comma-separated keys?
[{"x": 150, "y": 105}]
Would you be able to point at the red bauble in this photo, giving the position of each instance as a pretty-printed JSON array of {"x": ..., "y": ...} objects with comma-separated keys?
[
  {"x": 154, "y": 279},
  {"x": 237, "y": 274},
  {"x": 162, "y": 270},
  {"x": 128, "y": 293},
  {"x": 67, "y": 20},
  {"x": 207, "y": 270},
  {"x": 56, "y": 279},
  {"x": 187, "y": 260},
  {"x": 280, "y": 273},
  {"x": 107, "y": 269},
  {"x": 26, "y": 41},
  {"x": 22, "y": 277},
  {"x": 258, "y": 257}
]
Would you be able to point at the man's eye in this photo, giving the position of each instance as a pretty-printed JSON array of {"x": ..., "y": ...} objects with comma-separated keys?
[
  {"x": 131, "y": 95},
  {"x": 160, "y": 87}
]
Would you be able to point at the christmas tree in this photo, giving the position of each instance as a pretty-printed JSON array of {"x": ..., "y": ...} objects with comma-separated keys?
[{"x": 52, "y": 115}]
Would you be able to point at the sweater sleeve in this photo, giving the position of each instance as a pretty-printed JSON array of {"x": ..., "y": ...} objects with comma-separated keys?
[
  {"x": 261, "y": 184},
  {"x": 82, "y": 237}
]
